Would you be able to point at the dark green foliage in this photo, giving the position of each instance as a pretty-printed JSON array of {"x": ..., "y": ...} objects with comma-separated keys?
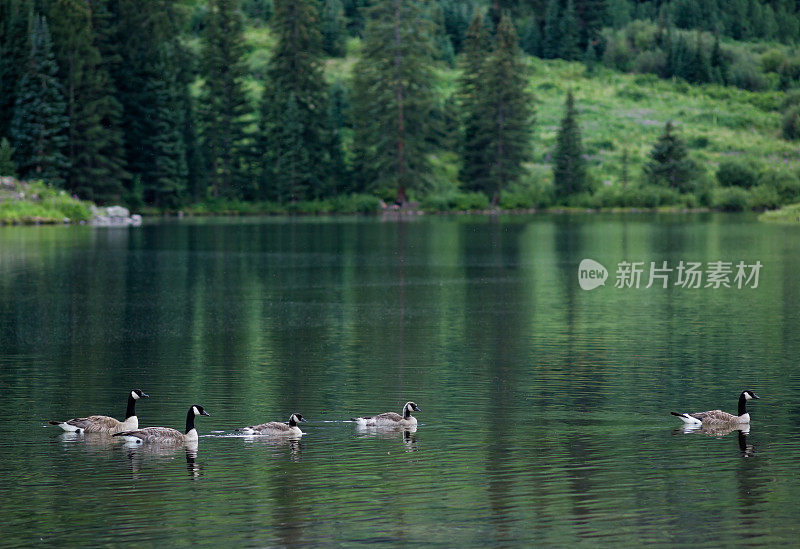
[
  {"x": 354, "y": 15},
  {"x": 95, "y": 149},
  {"x": 531, "y": 39},
  {"x": 569, "y": 47},
  {"x": 590, "y": 14},
  {"x": 15, "y": 20},
  {"x": 7, "y": 165},
  {"x": 296, "y": 139},
  {"x": 569, "y": 167},
  {"x": 393, "y": 99},
  {"x": 257, "y": 10},
  {"x": 223, "y": 106},
  {"x": 551, "y": 47},
  {"x": 457, "y": 15},
  {"x": 333, "y": 27},
  {"x": 737, "y": 173},
  {"x": 669, "y": 164},
  {"x": 497, "y": 109},
  {"x": 152, "y": 78},
  {"x": 40, "y": 125},
  {"x": 790, "y": 125}
]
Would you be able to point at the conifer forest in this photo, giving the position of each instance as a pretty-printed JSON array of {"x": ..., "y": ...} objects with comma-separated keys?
[{"x": 349, "y": 105}]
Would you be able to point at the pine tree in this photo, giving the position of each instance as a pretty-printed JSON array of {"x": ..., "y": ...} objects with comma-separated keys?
[
  {"x": 498, "y": 126},
  {"x": 475, "y": 150},
  {"x": 96, "y": 154},
  {"x": 40, "y": 124},
  {"x": 333, "y": 27},
  {"x": 296, "y": 99},
  {"x": 569, "y": 167},
  {"x": 669, "y": 163},
  {"x": 531, "y": 40},
  {"x": 165, "y": 184},
  {"x": 552, "y": 30},
  {"x": 590, "y": 14},
  {"x": 224, "y": 107},
  {"x": 393, "y": 99},
  {"x": 8, "y": 168},
  {"x": 15, "y": 18},
  {"x": 153, "y": 78},
  {"x": 569, "y": 47}
]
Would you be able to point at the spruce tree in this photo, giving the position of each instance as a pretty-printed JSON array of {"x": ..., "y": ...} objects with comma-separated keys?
[
  {"x": 590, "y": 14},
  {"x": 475, "y": 149},
  {"x": 333, "y": 27},
  {"x": 8, "y": 168},
  {"x": 669, "y": 163},
  {"x": 569, "y": 47},
  {"x": 569, "y": 167},
  {"x": 96, "y": 154},
  {"x": 15, "y": 20},
  {"x": 296, "y": 100},
  {"x": 40, "y": 125},
  {"x": 153, "y": 78},
  {"x": 499, "y": 138},
  {"x": 224, "y": 108},
  {"x": 393, "y": 100},
  {"x": 552, "y": 30}
]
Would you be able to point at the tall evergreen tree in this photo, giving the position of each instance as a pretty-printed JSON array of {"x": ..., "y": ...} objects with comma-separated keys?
[
  {"x": 569, "y": 47},
  {"x": 15, "y": 19},
  {"x": 40, "y": 125},
  {"x": 590, "y": 14},
  {"x": 296, "y": 100},
  {"x": 552, "y": 30},
  {"x": 499, "y": 125},
  {"x": 669, "y": 162},
  {"x": 152, "y": 77},
  {"x": 8, "y": 168},
  {"x": 393, "y": 99},
  {"x": 96, "y": 154},
  {"x": 569, "y": 167},
  {"x": 224, "y": 107},
  {"x": 333, "y": 27},
  {"x": 475, "y": 149}
]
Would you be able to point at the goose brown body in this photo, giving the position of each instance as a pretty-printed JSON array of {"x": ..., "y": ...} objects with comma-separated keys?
[
  {"x": 276, "y": 428},
  {"x": 167, "y": 435},
  {"x": 390, "y": 419},
  {"x": 105, "y": 424},
  {"x": 718, "y": 417}
]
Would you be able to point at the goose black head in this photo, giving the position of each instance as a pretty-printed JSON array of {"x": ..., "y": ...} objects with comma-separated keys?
[
  {"x": 136, "y": 394},
  {"x": 294, "y": 419},
  {"x": 750, "y": 395},
  {"x": 410, "y": 407},
  {"x": 199, "y": 410}
]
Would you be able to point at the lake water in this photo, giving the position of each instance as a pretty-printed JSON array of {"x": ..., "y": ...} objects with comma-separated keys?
[{"x": 545, "y": 407}]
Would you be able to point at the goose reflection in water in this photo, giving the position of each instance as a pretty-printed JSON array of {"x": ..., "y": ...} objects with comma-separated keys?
[
  {"x": 408, "y": 434},
  {"x": 294, "y": 444},
  {"x": 140, "y": 456},
  {"x": 719, "y": 431}
]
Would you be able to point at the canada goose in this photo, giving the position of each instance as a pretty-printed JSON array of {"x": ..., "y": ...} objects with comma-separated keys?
[
  {"x": 104, "y": 424},
  {"x": 390, "y": 419},
  {"x": 275, "y": 428},
  {"x": 167, "y": 435},
  {"x": 718, "y": 417}
]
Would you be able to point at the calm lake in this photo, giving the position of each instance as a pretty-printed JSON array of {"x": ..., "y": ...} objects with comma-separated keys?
[{"x": 545, "y": 407}]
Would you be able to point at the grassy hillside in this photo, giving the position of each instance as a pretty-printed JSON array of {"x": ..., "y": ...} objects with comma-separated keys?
[{"x": 620, "y": 115}]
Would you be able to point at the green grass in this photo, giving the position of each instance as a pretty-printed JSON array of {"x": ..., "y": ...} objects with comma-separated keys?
[
  {"x": 34, "y": 203},
  {"x": 787, "y": 214}
]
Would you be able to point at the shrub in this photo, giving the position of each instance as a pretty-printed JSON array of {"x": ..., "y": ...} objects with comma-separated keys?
[
  {"x": 790, "y": 126},
  {"x": 733, "y": 172},
  {"x": 455, "y": 201},
  {"x": 731, "y": 199},
  {"x": 772, "y": 60},
  {"x": 763, "y": 197}
]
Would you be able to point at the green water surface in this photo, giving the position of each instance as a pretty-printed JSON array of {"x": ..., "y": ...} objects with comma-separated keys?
[{"x": 545, "y": 407}]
